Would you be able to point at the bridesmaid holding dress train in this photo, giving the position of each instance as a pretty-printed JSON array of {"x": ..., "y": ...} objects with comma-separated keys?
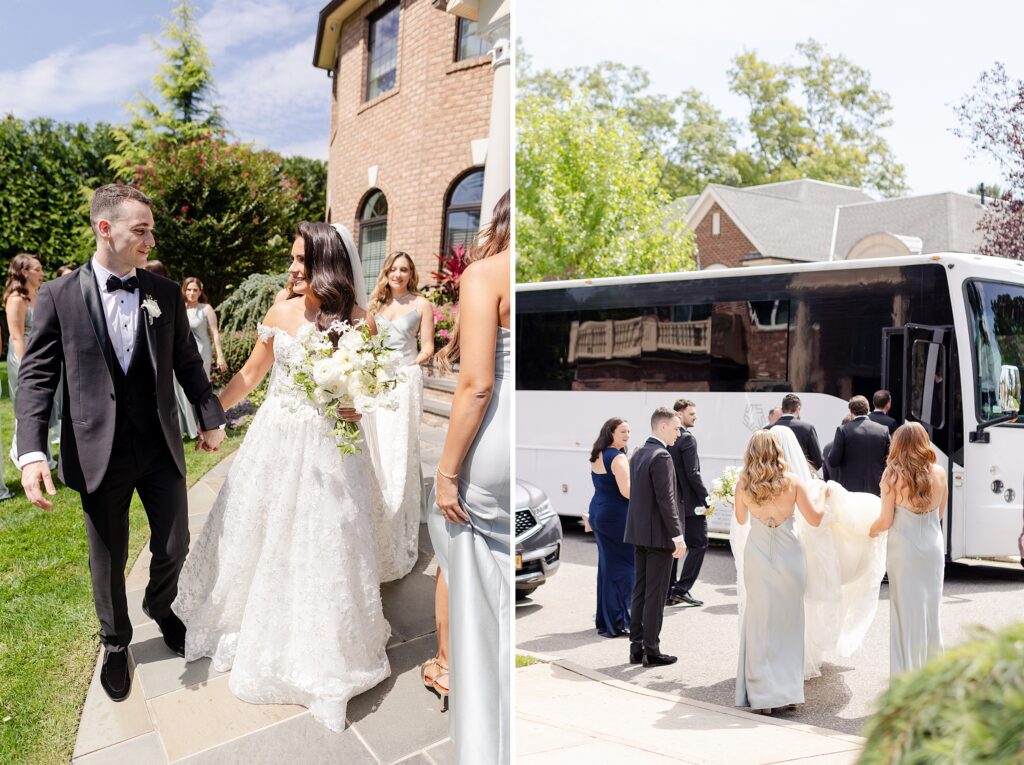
[
  {"x": 771, "y": 660},
  {"x": 473, "y": 496},
  {"x": 914, "y": 493}
]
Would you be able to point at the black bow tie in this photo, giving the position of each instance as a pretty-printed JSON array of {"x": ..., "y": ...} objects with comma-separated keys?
[{"x": 128, "y": 285}]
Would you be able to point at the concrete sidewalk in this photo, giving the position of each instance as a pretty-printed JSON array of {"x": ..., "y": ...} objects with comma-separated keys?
[
  {"x": 566, "y": 713},
  {"x": 184, "y": 713}
]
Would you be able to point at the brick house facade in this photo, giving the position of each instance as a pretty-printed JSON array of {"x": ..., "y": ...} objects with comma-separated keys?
[
  {"x": 728, "y": 247},
  {"x": 415, "y": 141}
]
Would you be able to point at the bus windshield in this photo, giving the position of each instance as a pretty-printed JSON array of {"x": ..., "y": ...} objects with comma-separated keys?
[{"x": 997, "y": 329}]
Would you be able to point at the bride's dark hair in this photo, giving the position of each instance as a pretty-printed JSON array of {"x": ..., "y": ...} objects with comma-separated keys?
[{"x": 329, "y": 272}]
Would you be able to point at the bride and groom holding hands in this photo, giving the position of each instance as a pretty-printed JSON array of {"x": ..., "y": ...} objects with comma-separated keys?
[{"x": 283, "y": 585}]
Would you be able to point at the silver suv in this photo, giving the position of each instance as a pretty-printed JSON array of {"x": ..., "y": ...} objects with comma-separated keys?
[{"x": 538, "y": 538}]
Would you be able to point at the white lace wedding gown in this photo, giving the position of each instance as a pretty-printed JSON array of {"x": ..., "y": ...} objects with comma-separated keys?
[
  {"x": 282, "y": 586},
  {"x": 844, "y": 565}
]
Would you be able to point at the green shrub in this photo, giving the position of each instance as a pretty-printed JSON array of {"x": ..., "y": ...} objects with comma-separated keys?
[
  {"x": 236, "y": 346},
  {"x": 965, "y": 707},
  {"x": 249, "y": 302}
]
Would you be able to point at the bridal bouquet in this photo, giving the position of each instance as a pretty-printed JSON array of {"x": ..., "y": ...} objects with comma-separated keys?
[
  {"x": 723, "y": 490},
  {"x": 361, "y": 373}
]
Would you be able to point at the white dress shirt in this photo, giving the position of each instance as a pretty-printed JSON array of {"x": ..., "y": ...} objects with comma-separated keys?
[{"x": 121, "y": 310}]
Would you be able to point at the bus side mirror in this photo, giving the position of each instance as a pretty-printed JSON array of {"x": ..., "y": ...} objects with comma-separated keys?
[{"x": 1009, "y": 389}]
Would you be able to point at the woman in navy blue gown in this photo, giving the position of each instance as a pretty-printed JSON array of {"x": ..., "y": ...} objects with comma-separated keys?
[{"x": 609, "y": 469}]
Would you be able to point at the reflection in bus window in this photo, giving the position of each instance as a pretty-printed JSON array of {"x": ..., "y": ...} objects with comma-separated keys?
[{"x": 997, "y": 329}]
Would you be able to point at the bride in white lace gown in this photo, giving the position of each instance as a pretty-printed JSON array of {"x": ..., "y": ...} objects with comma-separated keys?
[{"x": 282, "y": 585}]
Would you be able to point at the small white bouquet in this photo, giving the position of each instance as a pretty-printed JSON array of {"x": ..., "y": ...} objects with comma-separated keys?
[
  {"x": 361, "y": 373},
  {"x": 723, "y": 490}
]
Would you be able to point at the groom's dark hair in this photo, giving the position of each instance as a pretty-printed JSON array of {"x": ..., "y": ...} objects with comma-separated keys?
[
  {"x": 106, "y": 200},
  {"x": 328, "y": 271}
]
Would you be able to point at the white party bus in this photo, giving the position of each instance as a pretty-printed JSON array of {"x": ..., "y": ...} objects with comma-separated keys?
[{"x": 944, "y": 333}]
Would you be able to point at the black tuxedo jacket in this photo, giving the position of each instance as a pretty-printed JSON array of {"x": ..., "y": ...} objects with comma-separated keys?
[
  {"x": 806, "y": 436},
  {"x": 652, "y": 519},
  {"x": 859, "y": 451},
  {"x": 69, "y": 328},
  {"x": 690, "y": 491},
  {"x": 883, "y": 419}
]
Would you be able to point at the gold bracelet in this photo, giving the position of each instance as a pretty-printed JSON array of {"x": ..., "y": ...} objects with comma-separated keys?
[{"x": 445, "y": 475}]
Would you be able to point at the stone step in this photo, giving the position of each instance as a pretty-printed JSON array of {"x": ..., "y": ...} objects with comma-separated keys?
[{"x": 445, "y": 384}]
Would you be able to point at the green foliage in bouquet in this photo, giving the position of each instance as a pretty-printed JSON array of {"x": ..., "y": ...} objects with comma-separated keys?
[
  {"x": 249, "y": 302},
  {"x": 223, "y": 211},
  {"x": 965, "y": 707}
]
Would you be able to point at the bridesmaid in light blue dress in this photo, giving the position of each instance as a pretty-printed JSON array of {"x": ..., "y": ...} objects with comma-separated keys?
[
  {"x": 914, "y": 493},
  {"x": 770, "y": 672},
  {"x": 406, "y": 320},
  {"x": 473, "y": 497}
]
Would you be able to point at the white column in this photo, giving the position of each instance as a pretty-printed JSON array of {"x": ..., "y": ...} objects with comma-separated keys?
[{"x": 497, "y": 168}]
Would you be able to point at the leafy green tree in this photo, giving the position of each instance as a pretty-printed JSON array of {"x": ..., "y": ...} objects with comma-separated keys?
[
  {"x": 185, "y": 86},
  {"x": 310, "y": 176},
  {"x": 587, "y": 196},
  {"x": 249, "y": 302},
  {"x": 817, "y": 119},
  {"x": 223, "y": 211},
  {"x": 46, "y": 169}
]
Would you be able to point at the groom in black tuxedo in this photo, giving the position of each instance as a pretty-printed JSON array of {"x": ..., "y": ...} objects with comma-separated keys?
[
  {"x": 654, "y": 530},
  {"x": 120, "y": 333}
]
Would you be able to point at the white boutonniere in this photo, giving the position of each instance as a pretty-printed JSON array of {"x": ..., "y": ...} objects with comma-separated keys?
[{"x": 152, "y": 308}]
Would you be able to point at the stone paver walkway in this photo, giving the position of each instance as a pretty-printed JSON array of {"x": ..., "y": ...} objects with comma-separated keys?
[
  {"x": 184, "y": 713},
  {"x": 569, "y": 714}
]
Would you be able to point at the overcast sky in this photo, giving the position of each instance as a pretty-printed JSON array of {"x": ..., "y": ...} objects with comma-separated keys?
[
  {"x": 76, "y": 60},
  {"x": 925, "y": 55}
]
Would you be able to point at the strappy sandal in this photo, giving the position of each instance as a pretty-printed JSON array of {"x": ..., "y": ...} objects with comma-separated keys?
[
  {"x": 429, "y": 671},
  {"x": 441, "y": 689}
]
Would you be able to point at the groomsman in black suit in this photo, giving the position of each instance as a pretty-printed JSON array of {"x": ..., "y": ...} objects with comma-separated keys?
[
  {"x": 654, "y": 530},
  {"x": 805, "y": 433},
  {"x": 859, "y": 450},
  {"x": 691, "y": 496},
  {"x": 882, "y": 401}
]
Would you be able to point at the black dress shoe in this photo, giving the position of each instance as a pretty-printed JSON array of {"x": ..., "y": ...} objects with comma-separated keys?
[
  {"x": 172, "y": 628},
  {"x": 686, "y": 597},
  {"x": 675, "y": 599},
  {"x": 636, "y": 655},
  {"x": 658, "y": 659},
  {"x": 114, "y": 675}
]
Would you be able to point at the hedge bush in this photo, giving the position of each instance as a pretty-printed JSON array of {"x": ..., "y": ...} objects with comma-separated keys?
[{"x": 965, "y": 707}]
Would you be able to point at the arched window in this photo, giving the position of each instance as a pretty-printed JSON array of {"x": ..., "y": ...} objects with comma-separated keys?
[
  {"x": 462, "y": 210},
  {"x": 373, "y": 236}
]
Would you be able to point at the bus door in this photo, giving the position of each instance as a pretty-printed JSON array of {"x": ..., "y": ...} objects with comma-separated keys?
[{"x": 918, "y": 370}]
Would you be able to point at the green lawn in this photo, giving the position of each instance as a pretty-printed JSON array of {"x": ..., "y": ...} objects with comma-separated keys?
[{"x": 48, "y": 628}]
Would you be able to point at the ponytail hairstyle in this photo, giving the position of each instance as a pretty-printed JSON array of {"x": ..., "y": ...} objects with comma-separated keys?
[
  {"x": 497, "y": 237},
  {"x": 328, "y": 272}
]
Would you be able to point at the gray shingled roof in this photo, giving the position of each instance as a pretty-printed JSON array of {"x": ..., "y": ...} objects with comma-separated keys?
[
  {"x": 945, "y": 222},
  {"x": 790, "y": 220}
]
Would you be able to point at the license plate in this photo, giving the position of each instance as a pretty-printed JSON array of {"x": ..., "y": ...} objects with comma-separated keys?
[{"x": 519, "y": 561}]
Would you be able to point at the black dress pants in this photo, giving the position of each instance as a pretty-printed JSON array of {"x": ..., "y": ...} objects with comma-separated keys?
[
  {"x": 652, "y": 567},
  {"x": 138, "y": 461},
  {"x": 695, "y": 535}
]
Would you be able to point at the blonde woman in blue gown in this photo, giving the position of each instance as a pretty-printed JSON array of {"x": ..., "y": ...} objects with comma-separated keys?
[{"x": 470, "y": 527}]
